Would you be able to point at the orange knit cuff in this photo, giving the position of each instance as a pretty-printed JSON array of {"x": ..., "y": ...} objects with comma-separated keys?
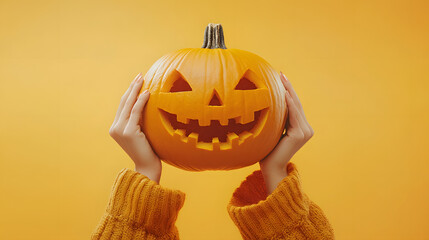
[
  {"x": 259, "y": 216},
  {"x": 144, "y": 204}
]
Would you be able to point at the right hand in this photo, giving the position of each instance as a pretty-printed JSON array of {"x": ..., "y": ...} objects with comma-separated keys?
[
  {"x": 299, "y": 131},
  {"x": 126, "y": 131}
]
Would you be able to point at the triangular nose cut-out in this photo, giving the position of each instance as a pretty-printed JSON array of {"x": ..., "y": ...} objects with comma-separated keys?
[{"x": 215, "y": 101}]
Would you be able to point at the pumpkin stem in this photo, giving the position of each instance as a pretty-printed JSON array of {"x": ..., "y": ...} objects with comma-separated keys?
[{"x": 213, "y": 37}]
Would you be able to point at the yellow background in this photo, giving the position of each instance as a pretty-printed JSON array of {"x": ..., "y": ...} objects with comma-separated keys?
[{"x": 359, "y": 67}]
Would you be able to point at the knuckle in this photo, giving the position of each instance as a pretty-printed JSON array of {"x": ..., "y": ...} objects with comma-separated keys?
[
  {"x": 113, "y": 132},
  {"x": 304, "y": 136},
  {"x": 311, "y": 132},
  {"x": 307, "y": 131},
  {"x": 301, "y": 136},
  {"x": 142, "y": 136},
  {"x": 128, "y": 135},
  {"x": 298, "y": 136},
  {"x": 134, "y": 110}
]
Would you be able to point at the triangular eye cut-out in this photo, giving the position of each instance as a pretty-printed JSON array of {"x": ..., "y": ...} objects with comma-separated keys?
[
  {"x": 180, "y": 85},
  {"x": 215, "y": 100},
  {"x": 245, "y": 84}
]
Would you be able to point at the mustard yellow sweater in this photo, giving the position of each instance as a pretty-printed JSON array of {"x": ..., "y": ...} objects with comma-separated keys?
[{"x": 139, "y": 208}]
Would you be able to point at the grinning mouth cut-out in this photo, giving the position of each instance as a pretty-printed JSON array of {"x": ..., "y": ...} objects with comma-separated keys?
[{"x": 219, "y": 134}]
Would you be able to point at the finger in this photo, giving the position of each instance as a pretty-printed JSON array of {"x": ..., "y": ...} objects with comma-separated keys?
[
  {"x": 288, "y": 86},
  {"x": 293, "y": 111},
  {"x": 124, "y": 98},
  {"x": 285, "y": 150},
  {"x": 301, "y": 117},
  {"x": 136, "y": 112},
  {"x": 126, "y": 111},
  {"x": 305, "y": 127},
  {"x": 302, "y": 122}
]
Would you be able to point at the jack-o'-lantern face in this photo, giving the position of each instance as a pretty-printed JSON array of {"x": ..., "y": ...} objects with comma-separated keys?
[
  {"x": 213, "y": 108},
  {"x": 217, "y": 118}
]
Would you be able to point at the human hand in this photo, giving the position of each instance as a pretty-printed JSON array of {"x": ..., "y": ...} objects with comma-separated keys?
[
  {"x": 298, "y": 132},
  {"x": 126, "y": 131}
]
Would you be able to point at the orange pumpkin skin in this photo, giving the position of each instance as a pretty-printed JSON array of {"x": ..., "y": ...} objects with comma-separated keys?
[{"x": 219, "y": 121}]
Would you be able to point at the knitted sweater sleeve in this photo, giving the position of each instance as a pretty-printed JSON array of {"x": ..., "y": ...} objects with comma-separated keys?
[
  {"x": 287, "y": 213},
  {"x": 139, "y": 208}
]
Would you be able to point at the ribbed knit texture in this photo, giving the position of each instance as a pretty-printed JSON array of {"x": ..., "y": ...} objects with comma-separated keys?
[
  {"x": 139, "y": 208},
  {"x": 287, "y": 213}
]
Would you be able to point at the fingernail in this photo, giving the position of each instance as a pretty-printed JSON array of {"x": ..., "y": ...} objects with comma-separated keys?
[
  {"x": 140, "y": 79},
  {"x": 135, "y": 78},
  {"x": 144, "y": 92},
  {"x": 284, "y": 76}
]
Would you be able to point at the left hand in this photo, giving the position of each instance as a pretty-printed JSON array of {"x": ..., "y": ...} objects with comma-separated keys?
[
  {"x": 126, "y": 131},
  {"x": 298, "y": 132}
]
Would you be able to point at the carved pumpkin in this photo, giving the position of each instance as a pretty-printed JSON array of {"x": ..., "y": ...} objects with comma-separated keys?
[{"x": 213, "y": 108}]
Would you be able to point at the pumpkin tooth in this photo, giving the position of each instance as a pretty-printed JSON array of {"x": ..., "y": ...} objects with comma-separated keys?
[
  {"x": 244, "y": 135},
  {"x": 216, "y": 143},
  {"x": 179, "y": 134},
  {"x": 248, "y": 117},
  {"x": 239, "y": 119},
  {"x": 182, "y": 119},
  {"x": 193, "y": 138},
  {"x": 233, "y": 139},
  {"x": 204, "y": 122},
  {"x": 223, "y": 121}
]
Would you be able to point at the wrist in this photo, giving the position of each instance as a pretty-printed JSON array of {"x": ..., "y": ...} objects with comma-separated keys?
[
  {"x": 273, "y": 175},
  {"x": 274, "y": 172},
  {"x": 152, "y": 171},
  {"x": 271, "y": 167}
]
